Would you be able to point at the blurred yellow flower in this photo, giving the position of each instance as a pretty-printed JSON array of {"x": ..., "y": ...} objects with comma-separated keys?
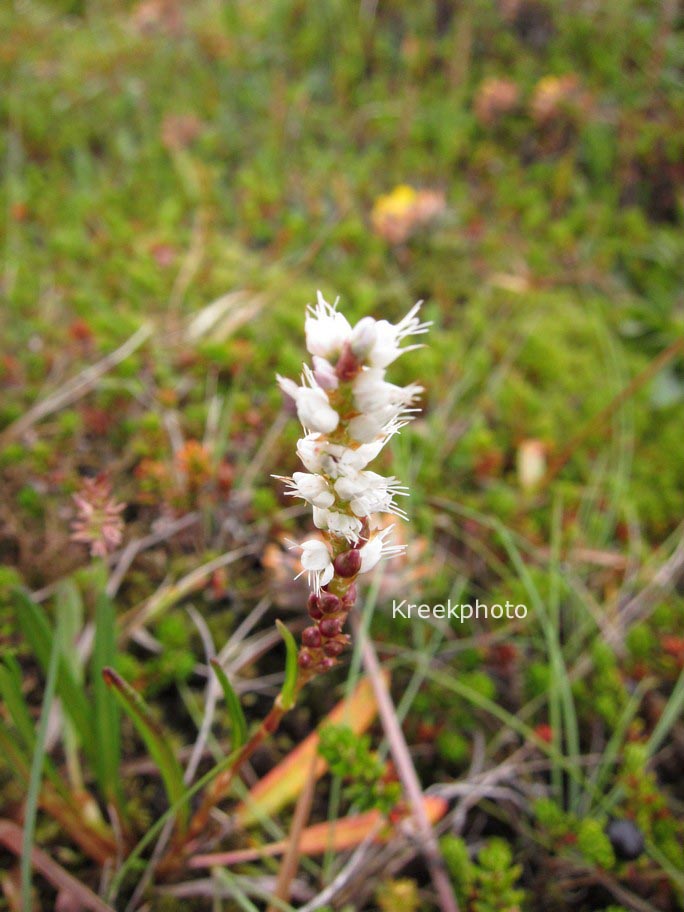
[
  {"x": 396, "y": 215},
  {"x": 556, "y": 95},
  {"x": 495, "y": 98}
]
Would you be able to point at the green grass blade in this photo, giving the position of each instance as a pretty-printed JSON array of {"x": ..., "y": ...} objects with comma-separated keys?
[
  {"x": 16, "y": 758},
  {"x": 288, "y": 694},
  {"x": 238, "y": 722},
  {"x": 40, "y": 637},
  {"x": 668, "y": 717},
  {"x": 561, "y": 701},
  {"x": 69, "y": 615},
  {"x": 611, "y": 751},
  {"x": 13, "y": 697},
  {"x": 36, "y": 777},
  {"x": 155, "y": 740},
  {"x": 107, "y": 718},
  {"x": 69, "y": 619}
]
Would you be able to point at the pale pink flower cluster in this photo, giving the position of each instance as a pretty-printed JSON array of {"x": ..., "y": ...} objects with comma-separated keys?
[{"x": 98, "y": 522}]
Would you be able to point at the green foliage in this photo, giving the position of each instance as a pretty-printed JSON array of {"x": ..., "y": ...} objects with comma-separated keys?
[
  {"x": 644, "y": 803},
  {"x": 594, "y": 845},
  {"x": 398, "y": 896},
  {"x": 552, "y": 818},
  {"x": 350, "y": 757},
  {"x": 495, "y": 878},
  {"x": 156, "y": 739},
  {"x": 453, "y": 747},
  {"x": 568, "y": 833},
  {"x": 488, "y": 884},
  {"x": 461, "y": 869},
  {"x": 604, "y": 689},
  {"x": 237, "y": 717}
]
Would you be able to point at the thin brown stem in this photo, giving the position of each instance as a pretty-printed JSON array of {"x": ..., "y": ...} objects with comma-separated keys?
[
  {"x": 220, "y": 787},
  {"x": 290, "y": 861}
]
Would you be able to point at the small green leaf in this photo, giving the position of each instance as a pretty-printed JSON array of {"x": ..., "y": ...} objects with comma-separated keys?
[
  {"x": 40, "y": 635},
  {"x": 13, "y": 753},
  {"x": 15, "y": 748},
  {"x": 155, "y": 740},
  {"x": 107, "y": 721},
  {"x": 69, "y": 615},
  {"x": 288, "y": 693},
  {"x": 13, "y": 697},
  {"x": 36, "y": 776},
  {"x": 237, "y": 717}
]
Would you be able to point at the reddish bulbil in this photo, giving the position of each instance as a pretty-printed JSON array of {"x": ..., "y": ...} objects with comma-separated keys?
[
  {"x": 333, "y": 648},
  {"x": 330, "y": 627},
  {"x": 329, "y": 603},
  {"x": 311, "y": 636},
  {"x": 348, "y": 563},
  {"x": 350, "y": 596},
  {"x": 305, "y": 659}
]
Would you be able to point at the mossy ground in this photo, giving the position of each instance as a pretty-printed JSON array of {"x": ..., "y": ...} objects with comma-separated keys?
[{"x": 158, "y": 156}]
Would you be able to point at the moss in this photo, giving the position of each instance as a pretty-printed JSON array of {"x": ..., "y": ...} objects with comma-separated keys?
[{"x": 594, "y": 845}]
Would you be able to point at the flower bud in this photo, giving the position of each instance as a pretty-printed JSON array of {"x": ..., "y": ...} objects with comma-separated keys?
[
  {"x": 314, "y": 410},
  {"x": 330, "y": 627},
  {"x": 315, "y": 612},
  {"x": 324, "y": 373},
  {"x": 348, "y": 365},
  {"x": 333, "y": 648},
  {"x": 329, "y": 603},
  {"x": 305, "y": 659},
  {"x": 348, "y": 563},
  {"x": 350, "y": 596},
  {"x": 311, "y": 636}
]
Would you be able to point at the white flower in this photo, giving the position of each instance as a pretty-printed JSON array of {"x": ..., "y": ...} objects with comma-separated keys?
[
  {"x": 326, "y": 329},
  {"x": 333, "y": 459},
  {"x": 380, "y": 404},
  {"x": 360, "y": 457},
  {"x": 368, "y": 492},
  {"x": 363, "y": 337},
  {"x": 289, "y": 387},
  {"x": 324, "y": 373},
  {"x": 337, "y": 523},
  {"x": 310, "y": 450},
  {"x": 386, "y": 347},
  {"x": 312, "y": 488},
  {"x": 376, "y": 550},
  {"x": 313, "y": 408},
  {"x": 369, "y": 427},
  {"x": 372, "y": 392},
  {"x": 317, "y": 564},
  {"x": 342, "y": 524}
]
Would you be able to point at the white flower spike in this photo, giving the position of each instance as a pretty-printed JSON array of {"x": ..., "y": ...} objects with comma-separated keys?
[{"x": 349, "y": 411}]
